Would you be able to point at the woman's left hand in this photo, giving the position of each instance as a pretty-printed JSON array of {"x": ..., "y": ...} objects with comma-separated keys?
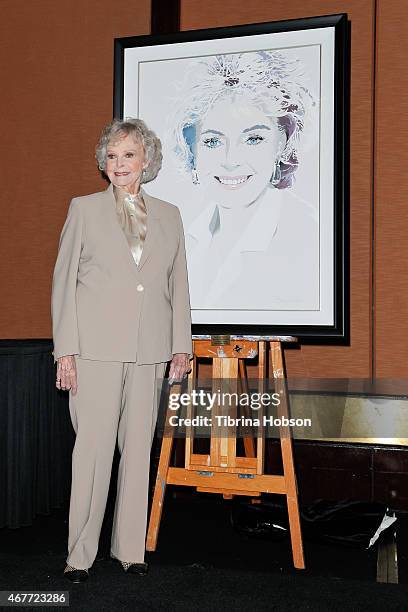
[{"x": 179, "y": 367}]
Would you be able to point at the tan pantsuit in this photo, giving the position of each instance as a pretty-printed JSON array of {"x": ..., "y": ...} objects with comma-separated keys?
[
  {"x": 114, "y": 400},
  {"x": 122, "y": 322}
]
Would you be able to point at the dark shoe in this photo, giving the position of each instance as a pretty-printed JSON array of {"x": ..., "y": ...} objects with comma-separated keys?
[
  {"x": 136, "y": 568},
  {"x": 76, "y": 575}
]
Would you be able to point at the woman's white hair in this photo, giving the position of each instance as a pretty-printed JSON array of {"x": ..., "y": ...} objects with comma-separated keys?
[
  {"x": 268, "y": 79},
  {"x": 118, "y": 129}
]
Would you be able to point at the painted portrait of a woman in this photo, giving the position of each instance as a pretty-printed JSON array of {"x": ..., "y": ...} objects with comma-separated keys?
[{"x": 237, "y": 133}]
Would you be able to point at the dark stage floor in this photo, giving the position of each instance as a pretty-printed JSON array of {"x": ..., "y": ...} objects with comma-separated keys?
[{"x": 203, "y": 563}]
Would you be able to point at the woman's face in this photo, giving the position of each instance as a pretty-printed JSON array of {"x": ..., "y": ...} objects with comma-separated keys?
[
  {"x": 125, "y": 162},
  {"x": 236, "y": 148}
]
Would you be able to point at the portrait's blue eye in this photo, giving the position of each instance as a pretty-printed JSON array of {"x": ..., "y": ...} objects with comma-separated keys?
[
  {"x": 254, "y": 140},
  {"x": 212, "y": 143}
]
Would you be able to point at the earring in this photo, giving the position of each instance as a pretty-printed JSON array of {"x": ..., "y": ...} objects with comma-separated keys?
[
  {"x": 277, "y": 175},
  {"x": 194, "y": 176}
]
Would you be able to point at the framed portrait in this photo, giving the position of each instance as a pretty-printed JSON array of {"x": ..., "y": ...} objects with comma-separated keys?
[{"x": 253, "y": 124}]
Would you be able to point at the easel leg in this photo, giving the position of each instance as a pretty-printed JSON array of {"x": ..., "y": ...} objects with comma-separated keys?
[
  {"x": 287, "y": 458},
  {"x": 160, "y": 486},
  {"x": 249, "y": 442}
]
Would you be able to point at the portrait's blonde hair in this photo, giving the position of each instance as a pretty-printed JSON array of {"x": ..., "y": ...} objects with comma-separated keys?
[{"x": 267, "y": 79}]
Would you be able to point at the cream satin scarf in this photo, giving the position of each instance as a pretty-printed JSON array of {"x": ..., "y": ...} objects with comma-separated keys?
[{"x": 132, "y": 216}]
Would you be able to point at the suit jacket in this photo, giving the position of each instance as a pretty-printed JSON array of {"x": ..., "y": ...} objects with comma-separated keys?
[{"x": 106, "y": 308}]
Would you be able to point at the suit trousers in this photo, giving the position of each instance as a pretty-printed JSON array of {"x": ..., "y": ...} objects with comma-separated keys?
[{"x": 114, "y": 400}]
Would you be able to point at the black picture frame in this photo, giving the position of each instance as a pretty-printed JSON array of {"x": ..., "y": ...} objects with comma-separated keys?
[{"x": 337, "y": 332}]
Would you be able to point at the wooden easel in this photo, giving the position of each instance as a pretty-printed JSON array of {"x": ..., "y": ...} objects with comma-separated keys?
[{"x": 222, "y": 471}]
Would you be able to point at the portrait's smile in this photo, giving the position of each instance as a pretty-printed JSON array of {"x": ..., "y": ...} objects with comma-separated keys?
[{"x": 233, "y": 182}]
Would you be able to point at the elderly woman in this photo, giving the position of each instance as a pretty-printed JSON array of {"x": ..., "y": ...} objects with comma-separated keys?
[
  {"x": 237, "y": 133},
  {"x": 120, "y": 311}
]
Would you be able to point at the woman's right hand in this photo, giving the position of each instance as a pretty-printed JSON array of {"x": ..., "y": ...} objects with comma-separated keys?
[{"x": 67, "y": 374}]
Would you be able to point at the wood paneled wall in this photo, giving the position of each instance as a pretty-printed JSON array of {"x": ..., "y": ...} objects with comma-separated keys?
[
  {"x": 56, "y": 66},
  {"x": 391, "y": 191},
  {"x": 57, "y": 69}
]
